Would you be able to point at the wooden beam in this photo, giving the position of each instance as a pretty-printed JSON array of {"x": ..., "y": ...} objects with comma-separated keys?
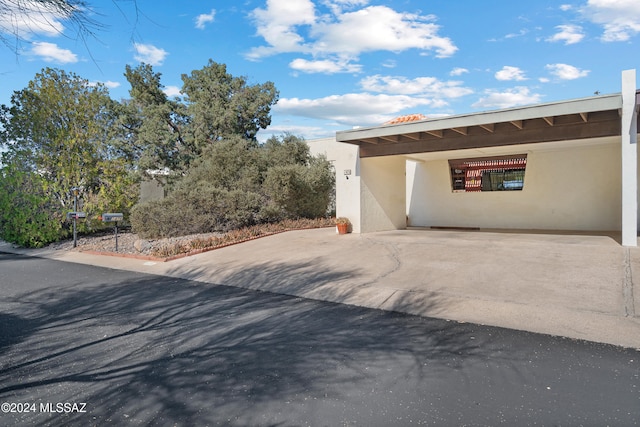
[
  {"x": 391, "y": 138},
  {"x": 371, "y": 140},
  {"x": 489, "y": 127},
  {"x": 415, "y": 136},
  {"x": 585, "y": 117},
  {"x": 595, "y": 128},
  {"x": 436, "y": 133},
  {"x": 549, "y": 120},
  {"x": 518, "y": 123},
  {"x": 461, "y": 131}
]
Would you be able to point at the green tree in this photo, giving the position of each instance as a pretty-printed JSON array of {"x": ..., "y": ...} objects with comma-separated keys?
[
  {"x": 158, "y": 132},
  {"x": 221, "y": 105},
  {"x": 151, "y": 130},
  {"x": 58, "y": 129}
]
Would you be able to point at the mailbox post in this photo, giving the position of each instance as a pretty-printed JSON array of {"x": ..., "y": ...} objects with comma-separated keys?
[
  {"x": 113, "y": 217},
  {"x": 75, "y": 191},
  {"x": 74, "y": 216}
]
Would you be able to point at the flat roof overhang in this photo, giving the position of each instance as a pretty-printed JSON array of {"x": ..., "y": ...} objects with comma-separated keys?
[{"x": 585, "y": 118}]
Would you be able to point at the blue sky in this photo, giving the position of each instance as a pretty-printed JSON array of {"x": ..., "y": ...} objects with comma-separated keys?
[{"x": 345, "y": 63}]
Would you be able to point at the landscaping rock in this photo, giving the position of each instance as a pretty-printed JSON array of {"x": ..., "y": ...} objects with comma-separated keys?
[{"x": 142, "y": 245}]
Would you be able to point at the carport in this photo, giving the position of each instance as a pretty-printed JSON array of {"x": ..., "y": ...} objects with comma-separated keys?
[{"x": 569, "y": 165}]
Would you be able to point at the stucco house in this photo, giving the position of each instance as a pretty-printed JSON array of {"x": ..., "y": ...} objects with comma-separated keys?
[{"x": 570, "y": 165}]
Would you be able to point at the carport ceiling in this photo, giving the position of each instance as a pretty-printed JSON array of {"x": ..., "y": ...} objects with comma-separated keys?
[{"x": 585, "y": 118}]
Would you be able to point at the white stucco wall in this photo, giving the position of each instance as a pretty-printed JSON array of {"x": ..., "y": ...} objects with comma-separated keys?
[
  {"x": 568, "y": 188},
  {"x": 383, "y": 193},
  {"x": 629, "y": 158},
  {"x": 345, "y": 160}
]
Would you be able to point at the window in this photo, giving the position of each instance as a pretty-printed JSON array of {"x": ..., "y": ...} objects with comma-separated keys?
[{"x": 504, "y": 173}]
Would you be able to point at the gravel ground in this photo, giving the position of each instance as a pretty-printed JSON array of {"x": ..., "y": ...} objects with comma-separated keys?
[
  {"x": 131, "y": 243},
  {"x": 128, "y": 243}
]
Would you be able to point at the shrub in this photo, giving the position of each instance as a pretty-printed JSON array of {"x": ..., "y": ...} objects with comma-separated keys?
[
  {"x": 202, "y": 209},
  {"x": 301, "y": 191},
  {"x": 29, "y": 216},
  {"x": 232, "y": 164},
  {"x": 238, "y": 183},
  {"x": 154, "y": 218},
  {"x": 286, "y": 187}
]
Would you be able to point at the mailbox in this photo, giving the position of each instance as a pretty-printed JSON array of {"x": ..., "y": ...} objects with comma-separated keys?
[
  {"x": 112, "y": 217},
  {"x": 76, "y": 215}
]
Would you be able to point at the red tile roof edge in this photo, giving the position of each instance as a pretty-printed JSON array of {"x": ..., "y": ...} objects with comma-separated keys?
[{"x": 406, "y": 119}]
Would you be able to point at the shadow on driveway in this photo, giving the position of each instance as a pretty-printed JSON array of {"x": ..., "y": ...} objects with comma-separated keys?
[
  {"x": 148, "y": 350},
  {"x": 155, "y": 349}
]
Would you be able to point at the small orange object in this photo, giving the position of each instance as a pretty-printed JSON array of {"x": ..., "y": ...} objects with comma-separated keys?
[{"x": 343, "y": 228}]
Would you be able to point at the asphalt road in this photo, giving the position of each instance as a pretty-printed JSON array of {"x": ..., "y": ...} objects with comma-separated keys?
[{"x": 82, "y": 345}]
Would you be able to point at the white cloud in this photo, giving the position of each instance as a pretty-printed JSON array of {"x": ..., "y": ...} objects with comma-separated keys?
[
  {"x": 31, "y": 17},
  {"x": 149, "y": 54},
  {"x": 308, "y": 132},
  {"x": 458, "y": 71},
  {"x": 111, "y": 85},
  {"x": 348, "y": 3},
  {"x": 171, "y": 91},
  {"x": 381, "y": 28},
  {"x": 288, "y": 26},
  {"x": 383, "y": 98},
  {"x": 325, "y": 66},
  {"x": 351, "y": 109},
  {"x": 337, "y": 6},
  {"x": 108, "y": 84},
  {"x": 522, "y": 32},
  {"x": 565, "y": 7},
  {"x": 204, "y": 19},
  {"x": 423, "y": 86},
  {"x": 509, "y": 73},
  {"x": 277, "y": 25},
  {"x": 50, "y": 52},
  {"x": 566, "y": 72},
  {"x": 390, "y": 63},
  {"x": 569, "y": 34},
  {"x": 619, "y": 18},
  {"x": 510, "y": 98}
]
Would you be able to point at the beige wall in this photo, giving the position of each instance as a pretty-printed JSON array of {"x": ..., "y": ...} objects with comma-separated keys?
[
  {"x": 383, "y": 193},
  {"x": 151, "y": 189},
  {"x": 344, "y": 158},
  {"x": 568, "y": 188},
  {"x": 573, "y": 185}
]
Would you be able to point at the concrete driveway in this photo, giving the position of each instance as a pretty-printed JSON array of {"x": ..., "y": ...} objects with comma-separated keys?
[{"x": 571, "y": 285}]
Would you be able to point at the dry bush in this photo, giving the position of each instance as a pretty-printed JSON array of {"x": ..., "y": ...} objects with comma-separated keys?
[{"x": 240, "y": 235}]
